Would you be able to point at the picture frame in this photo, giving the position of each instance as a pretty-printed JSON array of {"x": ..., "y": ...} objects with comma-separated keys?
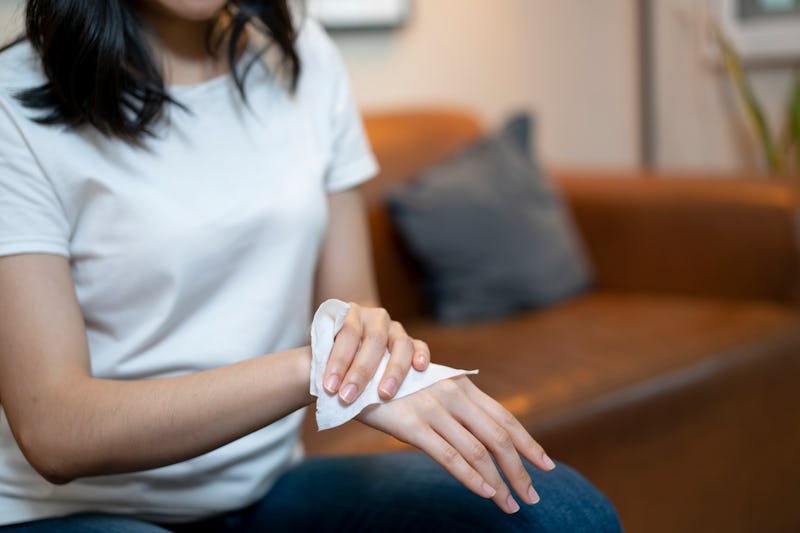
[
  {"x": 360, "y": 14},
  {"x": 761, "y": 30}
]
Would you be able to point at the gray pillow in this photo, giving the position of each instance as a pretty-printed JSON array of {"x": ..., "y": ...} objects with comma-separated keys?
[{"x": 490, "y": 232}]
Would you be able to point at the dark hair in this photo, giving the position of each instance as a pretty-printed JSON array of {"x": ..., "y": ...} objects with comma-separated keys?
[{"x": 100, "y": 69}]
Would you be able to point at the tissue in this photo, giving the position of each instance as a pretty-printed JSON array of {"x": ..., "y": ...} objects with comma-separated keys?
[{"x": 332, "y": 411}]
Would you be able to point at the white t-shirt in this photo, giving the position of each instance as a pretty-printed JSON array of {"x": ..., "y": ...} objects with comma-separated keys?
[{"x": 196, "y": 251}]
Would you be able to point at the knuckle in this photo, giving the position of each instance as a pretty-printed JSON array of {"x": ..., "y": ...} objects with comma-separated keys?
[
  {"x": 478, "y": 453},
  {"x": 507, "y": 419},
  {"x": 474, "y": 479},
  {"x": 410, "y": 432},
  {"x": 427, "y": 403},
  {"x": 449, "y": 454},
  {"x": 503, "y": 439},
  {"x": 449, "y": 388},
  {"x": 349, "y": 332},
  {"x": 404, "y": 344},
  {"x": 416, "y": 425},
  {"x": 376, "y": 337}
]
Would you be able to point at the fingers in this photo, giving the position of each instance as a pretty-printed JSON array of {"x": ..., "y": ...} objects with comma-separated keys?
[
  {"x": 453, "y": 461},
  {"x": 345, "y": 345},
  {"x": 374, "y": 341},
  {"x": 359, "y": 347},
  {"x": 494, "y": 436},
  {"x": 422, "y": 355},
  {"x": 469, "y": 434},
  {"x": 501, "y": 444},
  {"x": 479, "y": 458},
  {"x": 401, "y": 349},
  {"x": 522, "y": 440}
]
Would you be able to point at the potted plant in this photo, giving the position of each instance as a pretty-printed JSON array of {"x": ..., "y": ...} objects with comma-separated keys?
[{"x": 781, "y": 152}]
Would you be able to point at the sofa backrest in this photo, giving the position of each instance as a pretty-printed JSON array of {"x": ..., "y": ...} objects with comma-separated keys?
[
  {"x": 405, "y": 143},
  {"x": 693, "y": 235},
  {"x": 734, "y": 237}
]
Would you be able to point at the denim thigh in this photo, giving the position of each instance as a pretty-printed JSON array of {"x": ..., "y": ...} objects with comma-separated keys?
[
  {"x": 404, "y": 491},
  {"x": 408, "y": 491},
  {"x": 86, "y": 523}
]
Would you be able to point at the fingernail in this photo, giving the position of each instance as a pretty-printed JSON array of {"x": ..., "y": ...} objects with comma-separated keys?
[
  {"x": 548, "y": 463},
  {"x": 349, "y": 393},
  {"x": 332, "y": 383},
  {"x": 533, "y": 497},
  {"x": 513, "y": 506},
  {"x": 420, "y": 360},
  {"x": 389, "y": 387},
  {"x": 488, "y": 490}
]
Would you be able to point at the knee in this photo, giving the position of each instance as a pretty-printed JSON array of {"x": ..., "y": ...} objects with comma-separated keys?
[{"x": 569, "y": 502}]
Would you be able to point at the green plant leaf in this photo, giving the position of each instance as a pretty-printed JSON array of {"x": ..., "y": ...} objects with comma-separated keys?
[
  {"x": 753, "y": 111},
  {"x": 794, "y": 120}
]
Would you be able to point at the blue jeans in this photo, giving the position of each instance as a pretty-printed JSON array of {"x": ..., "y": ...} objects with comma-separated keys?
[{"x": 388, "y": 492}]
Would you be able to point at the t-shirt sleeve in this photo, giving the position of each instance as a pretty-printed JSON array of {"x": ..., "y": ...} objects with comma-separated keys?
[
  {"x": 32, "y": 219},
  {"x": 352, "y": 161}
]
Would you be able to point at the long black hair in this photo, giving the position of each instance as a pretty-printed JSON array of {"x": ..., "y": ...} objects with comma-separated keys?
[{"x": 100, "y": 69}]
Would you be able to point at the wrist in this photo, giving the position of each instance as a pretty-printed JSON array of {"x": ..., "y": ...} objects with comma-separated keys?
[{"x": 301, "y": 371}]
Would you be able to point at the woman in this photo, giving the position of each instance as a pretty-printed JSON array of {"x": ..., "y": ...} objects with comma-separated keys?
[{"x": 178, "y": 186}]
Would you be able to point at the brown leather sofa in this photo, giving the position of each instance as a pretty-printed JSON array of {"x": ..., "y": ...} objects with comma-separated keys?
[{"x": 672, "y": 384}]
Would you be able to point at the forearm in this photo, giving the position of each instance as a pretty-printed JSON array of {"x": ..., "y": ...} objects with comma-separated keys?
[
  {"x": 95, "y": 426},
  {"x": 349, "y": 288},
  {"x": 345, "y": 269}
]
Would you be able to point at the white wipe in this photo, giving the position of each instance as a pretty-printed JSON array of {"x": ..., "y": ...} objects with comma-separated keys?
[{"x": 331, "y": 410}]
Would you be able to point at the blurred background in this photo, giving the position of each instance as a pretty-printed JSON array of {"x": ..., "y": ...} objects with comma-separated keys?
[
  {"x": 612, "y": 82},
  {"x": 642, "y": 317}
]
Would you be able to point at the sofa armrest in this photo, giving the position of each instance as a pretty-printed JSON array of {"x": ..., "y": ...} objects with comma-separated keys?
[{"x": 703, "y": 236}]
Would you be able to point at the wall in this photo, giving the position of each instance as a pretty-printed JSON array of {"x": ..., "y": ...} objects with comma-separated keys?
[
  {"x": 10, "y": 19},
  {"x": 574, "y": 63},
  {"x": 699, "y": 123},
  {"x": 571, "y": 61}
]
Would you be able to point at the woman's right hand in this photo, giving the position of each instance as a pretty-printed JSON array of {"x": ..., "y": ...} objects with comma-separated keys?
[{"x": 461, "y": 428}]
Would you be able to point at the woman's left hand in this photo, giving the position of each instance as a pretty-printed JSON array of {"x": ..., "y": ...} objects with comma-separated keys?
[
  {"x": 470, "y": 434},
  {"x": 366, "y": 334}
]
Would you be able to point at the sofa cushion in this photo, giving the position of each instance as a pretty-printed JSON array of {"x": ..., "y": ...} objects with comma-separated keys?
[{"x": 490, "y": 232}]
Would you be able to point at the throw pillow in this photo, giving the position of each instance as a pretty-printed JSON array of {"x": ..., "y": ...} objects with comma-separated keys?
[{"x": 490, "y": 231}]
